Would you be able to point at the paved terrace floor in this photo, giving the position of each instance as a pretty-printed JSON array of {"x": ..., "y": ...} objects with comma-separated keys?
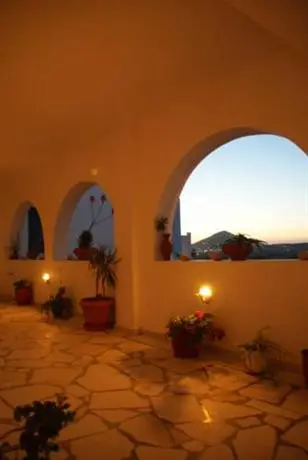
[{"x": 134, "y": 401}]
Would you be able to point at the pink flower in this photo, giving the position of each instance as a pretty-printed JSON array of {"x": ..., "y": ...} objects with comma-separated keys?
[
  {"x": 103, "y": 198},
  {"x": 92, "y": 199}
]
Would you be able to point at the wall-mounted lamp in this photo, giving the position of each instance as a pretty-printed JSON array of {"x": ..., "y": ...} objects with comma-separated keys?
[
  {"x": 46, "y": 278},
  {"x": 205, "y": 294}
]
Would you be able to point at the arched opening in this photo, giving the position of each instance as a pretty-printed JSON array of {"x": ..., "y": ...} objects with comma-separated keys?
[
  {"x": 252, "y": 184},
  {"x": 85, "y": 220},
  {"x": 27, "y": 238}
]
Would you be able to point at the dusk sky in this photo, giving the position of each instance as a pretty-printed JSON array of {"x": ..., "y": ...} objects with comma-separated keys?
[{"x": 257, "y": 185}]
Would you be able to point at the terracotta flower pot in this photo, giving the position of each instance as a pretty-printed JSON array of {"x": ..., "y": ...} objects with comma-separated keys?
[
  {"x": 166, "y": 246},
  {"x": 303, "y": 255},
  {"x": 98, "y": 312},
  {"x": 237, "y": 251},
  {"x": 24, "y": 296},
  {"x": 83, "y": 253},
  {"x": 185, "y": 346}
]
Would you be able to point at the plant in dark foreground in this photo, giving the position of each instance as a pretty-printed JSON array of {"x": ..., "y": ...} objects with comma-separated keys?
[
  {"x": 21, "y": 284},
  {"x": 242, "y": 240},
  {"x": 103, "y": 263},
  {"x": 60, "y": 305},
  {"x": 41, "y": 423},
  {"x": 197, "y": 325},
  {"x": 161, "y": 223}
]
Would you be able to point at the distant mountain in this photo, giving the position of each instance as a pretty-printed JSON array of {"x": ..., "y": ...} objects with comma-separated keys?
[
  {"x": 212, "y": 241},
  {"x": 269, "y": 251}
]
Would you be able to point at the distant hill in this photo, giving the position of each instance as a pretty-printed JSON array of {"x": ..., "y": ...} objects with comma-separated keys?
[
  {"x": 212, "y": 241},
  {"x": 269, "y": 251}
]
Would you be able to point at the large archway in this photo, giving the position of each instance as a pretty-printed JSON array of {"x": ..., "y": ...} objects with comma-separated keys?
[
  {"x": 86, "y": 213},
  {"x": 27, "y": 238},
  {"x": 275, "y": 159}
]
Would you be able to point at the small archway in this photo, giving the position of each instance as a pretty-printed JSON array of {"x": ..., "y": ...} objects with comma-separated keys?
[
  {"x": 27, "y": 237},
  {"x": 86, "y": 216},
  {"x": 186, "y": 171}
]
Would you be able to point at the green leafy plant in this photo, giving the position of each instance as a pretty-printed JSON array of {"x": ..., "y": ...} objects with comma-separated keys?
[
  {"x": 197, "y": 325},
  {"x": 103, "y": 263},
  {"x": 21, "y": 284},
  {"x": 242, "y": 240},
  {"x": 261, "y": 343},
  {"x": 40, "y": 424},
  {"x": 161, "y": 224},
  {"x": 61, "y": 306}
]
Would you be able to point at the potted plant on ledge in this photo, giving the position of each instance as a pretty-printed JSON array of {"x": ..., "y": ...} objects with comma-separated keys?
[
  {"x": 99, "y": 311},
  {"x": 187, "y": 332},
  {"x": 239, "y": 247},
  {"x": 23, "y": 292},
  {"x": 165, "y": 245}
]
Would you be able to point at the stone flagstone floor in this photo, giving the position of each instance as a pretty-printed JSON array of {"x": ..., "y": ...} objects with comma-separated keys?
[{"x": 135, "y": 402}]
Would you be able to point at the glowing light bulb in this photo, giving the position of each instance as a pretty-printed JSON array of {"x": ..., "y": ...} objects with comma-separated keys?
[
  {"x": 46, "y": 277},
  {"x": 205, "y": 293}
]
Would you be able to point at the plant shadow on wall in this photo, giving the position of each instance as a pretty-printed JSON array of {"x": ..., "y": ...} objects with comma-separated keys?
[
  {"x": 85, "y": 248},
  {"x": 99, "y": 311}
]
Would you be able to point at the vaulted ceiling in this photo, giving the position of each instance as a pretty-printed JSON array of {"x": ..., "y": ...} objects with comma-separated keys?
[{"x": 66, "y": 66}]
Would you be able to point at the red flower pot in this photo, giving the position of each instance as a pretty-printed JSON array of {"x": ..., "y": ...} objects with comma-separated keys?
[
  {"x": 24, "y": 296},
  {"x": 83, "y": 253},
  {"x": 166, "y": 246},
  {"x": 237, "y": 251},
  {"x": 185, "y": 346},
  {"x": 98, "y": 312}
]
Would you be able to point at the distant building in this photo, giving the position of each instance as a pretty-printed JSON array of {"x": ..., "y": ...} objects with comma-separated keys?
[
  {"x": 186, "y": 244},
  {"x": 176, "y": 230}
]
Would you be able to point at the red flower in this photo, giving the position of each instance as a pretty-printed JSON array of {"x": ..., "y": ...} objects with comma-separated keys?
[
  {"x": 92, "y": 199},
  {"x": 103, "y": 198},
  {"x": 199, "y": 314}
]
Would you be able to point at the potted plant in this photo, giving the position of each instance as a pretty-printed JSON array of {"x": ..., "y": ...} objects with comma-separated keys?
[
  {"x": 40, "y": 423},
  {"x": 99, "y": 311},
  {"x": 187, "y": 332},
  {"x": 23, "y": 292},
  {"x": 258, "y": 352},
  {"x": 161, "y": 224},
  {"x": 85, "y": 241},
  {"x": 59, "y": 305},
  {"x": 85, "y": 250},
  {"x": 239, "y": 246}
]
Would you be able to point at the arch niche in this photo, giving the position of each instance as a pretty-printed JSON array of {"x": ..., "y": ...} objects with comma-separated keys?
[
  {"x": 27, "y": 236},
  {"x": 167, "y": 206},
  {"x": 85, "y": 203}
]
